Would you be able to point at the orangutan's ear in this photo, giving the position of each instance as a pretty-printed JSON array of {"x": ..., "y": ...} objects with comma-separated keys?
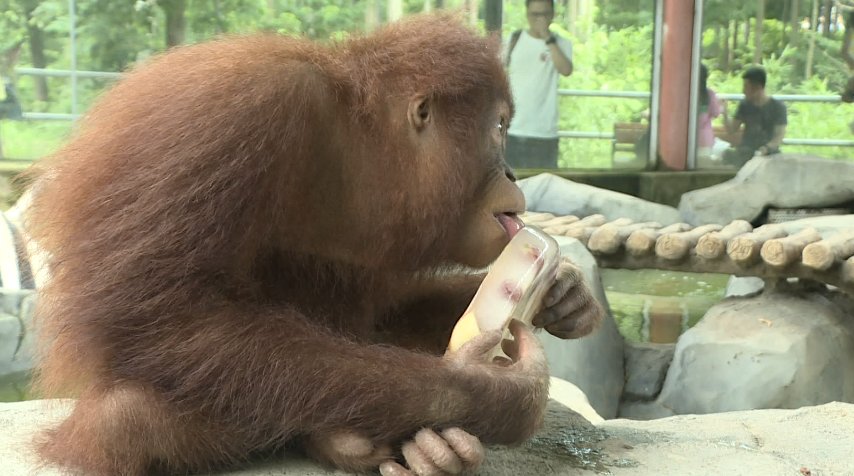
[{"x": 419, "y": 112}]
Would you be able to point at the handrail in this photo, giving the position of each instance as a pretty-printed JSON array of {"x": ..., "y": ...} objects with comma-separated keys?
[
  {"x": 62, "y": 73},
  {"x": 598, "y": 135},
  {"x": 728, "y": 96},
  {"x": 731, "y": 96}
]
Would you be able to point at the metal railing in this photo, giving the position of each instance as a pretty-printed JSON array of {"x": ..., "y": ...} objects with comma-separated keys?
[
  {"x": 598, "y": 135},
  {"x": 788, "y": 98},
  {"x": 60, "y": 73}
]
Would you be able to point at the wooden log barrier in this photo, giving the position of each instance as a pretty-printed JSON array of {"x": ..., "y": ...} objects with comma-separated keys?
[
  {"x": 713, "y": 245},
  {"x": 573, "y": 230},
  {"x": 822, "y": 254},
  {"x": 555, "y": 224},
  {"x": 675, "y": 246},
  {"x": 608, "y": 238},
  {"x": 781, "y": 252},
  {"x": 745, "y": 250},
  {"x": 642, "y": 242},
  {"x": 583, "y": 234},
  {"x": 535, "y": 217}
]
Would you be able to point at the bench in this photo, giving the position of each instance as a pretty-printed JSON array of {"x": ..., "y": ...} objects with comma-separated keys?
[{"x": 626, "y": 135}]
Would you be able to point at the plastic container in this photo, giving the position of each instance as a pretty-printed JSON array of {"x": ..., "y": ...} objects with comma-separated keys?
[{"x": 513, "y": 288}]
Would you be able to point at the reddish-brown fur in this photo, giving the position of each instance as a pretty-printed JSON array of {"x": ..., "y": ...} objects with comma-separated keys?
[{"x": 250, "y": 244}]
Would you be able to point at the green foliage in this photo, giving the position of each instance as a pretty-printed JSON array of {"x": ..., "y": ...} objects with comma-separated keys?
[
  {"x": 620, "y": 60},
  {"x": 619, "y": 14}
]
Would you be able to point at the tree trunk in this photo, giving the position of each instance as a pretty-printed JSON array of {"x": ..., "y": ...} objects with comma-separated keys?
[
  {"x": 747, "y": 33},
  {"x": 572, "y": 16},
  {"x": 35, "y": 39},
  {"x": 828, "y": 18},
  {"x": 470, "y": 7},
  {"x": 428, "y": 6},
  {"x": 372, "y": 15},
  {"x": 734, "y": 48},
  {"x": 715, "y": 49},
  {"x": 813, "y": 34},
  {"x": 786, "y": 7},
  {"x": 220, "y": 22},
  {"x": 757, "y": 35},
  {"x": 394, "y": 10},
  {"x": 796, "y": 19},
  {"x": 273, "y": 8},
  {"x": 725, "y": 56},
  {"x": 176, "y": 24},
  {"x": 494, "y": 15}
]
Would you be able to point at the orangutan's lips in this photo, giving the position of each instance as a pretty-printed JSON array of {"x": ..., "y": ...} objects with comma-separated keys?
[{"x": 510, "y": 222}]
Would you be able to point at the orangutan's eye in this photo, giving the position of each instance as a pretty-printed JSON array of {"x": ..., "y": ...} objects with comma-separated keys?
[{"x": 501, "y": 126}]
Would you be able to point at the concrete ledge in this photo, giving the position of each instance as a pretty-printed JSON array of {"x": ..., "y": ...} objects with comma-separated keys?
[{"x": 762, "y": 442}]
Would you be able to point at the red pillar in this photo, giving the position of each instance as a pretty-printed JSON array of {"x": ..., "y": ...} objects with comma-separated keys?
[{"x": 675, "y": 83}]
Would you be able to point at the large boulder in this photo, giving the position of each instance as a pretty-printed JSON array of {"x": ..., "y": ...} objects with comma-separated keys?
[
  {"x": 646, "y": 368},
  {"x": 781, "y": 181},
  {"x": 594, "y": 363},
  {"x": 827, "y": 225},
  {"x": 815, "y": 440},
  {"x": 553, "y": 194},
  {"x": 781, "y": 349}
]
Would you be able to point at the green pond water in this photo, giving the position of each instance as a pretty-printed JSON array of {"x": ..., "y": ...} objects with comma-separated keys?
[{"x": 634, "y": 295}]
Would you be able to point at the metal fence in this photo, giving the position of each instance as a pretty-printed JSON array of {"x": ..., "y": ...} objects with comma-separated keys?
[
  {"x": 787, "y": 98},
  {"x": 600, "y": 135}
]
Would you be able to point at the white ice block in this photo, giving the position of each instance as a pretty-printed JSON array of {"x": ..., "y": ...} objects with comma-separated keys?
[{"x": 513, "y": 288}]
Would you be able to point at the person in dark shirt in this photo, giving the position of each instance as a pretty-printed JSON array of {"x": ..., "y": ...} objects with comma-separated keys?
[{"x": 763, "y": 118}]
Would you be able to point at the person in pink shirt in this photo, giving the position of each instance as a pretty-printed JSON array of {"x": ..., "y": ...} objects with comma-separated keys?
[{"x": 709, "y": 109}]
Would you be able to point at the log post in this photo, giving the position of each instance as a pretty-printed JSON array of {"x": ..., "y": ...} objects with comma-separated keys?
[
  {"x": 583, "y": 234},
  {"x": 675, "y": 246},
  {"x": 535, "y": 217},
  {"x": 553, "y": 224},
  {"x": 822, "y": 254},
  {"x": 781, "y": 252},
  {"x": 744, "y": 250},
  {"x": 580, "y": 225},
  {"x": 713, "y": 245},
  {"x": 642, "y": 242},
  {"x": 608, "y": 238}
]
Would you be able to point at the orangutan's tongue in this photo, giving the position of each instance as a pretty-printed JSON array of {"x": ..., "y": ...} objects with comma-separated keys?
[{"x": 511, "y": 223}]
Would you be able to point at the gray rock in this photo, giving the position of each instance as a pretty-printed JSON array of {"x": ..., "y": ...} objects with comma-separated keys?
[
  {"x": 10, "y": 340},
  {"x": 784, "y": 181},
  {"x": 826, "y": 225},
  {"x": 765, "y": 442},
  {"x": 646, "y": 367},
  {"x": 644, "y": 410},
  {"x": 16, "y": 339},
  {"x": 553, "y": 194},
  {"x": 775, "y": 350},
  {"x": 761, "y": 442},
  {"x": 594, "y": 363},
  {"x": 743, "y": 286}
]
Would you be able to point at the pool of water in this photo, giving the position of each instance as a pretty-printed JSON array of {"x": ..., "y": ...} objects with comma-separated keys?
[{"x": 657, "y": 306}]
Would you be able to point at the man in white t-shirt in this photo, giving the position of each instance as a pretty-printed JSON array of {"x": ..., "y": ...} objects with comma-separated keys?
[{"x": 534, "y": 58}]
